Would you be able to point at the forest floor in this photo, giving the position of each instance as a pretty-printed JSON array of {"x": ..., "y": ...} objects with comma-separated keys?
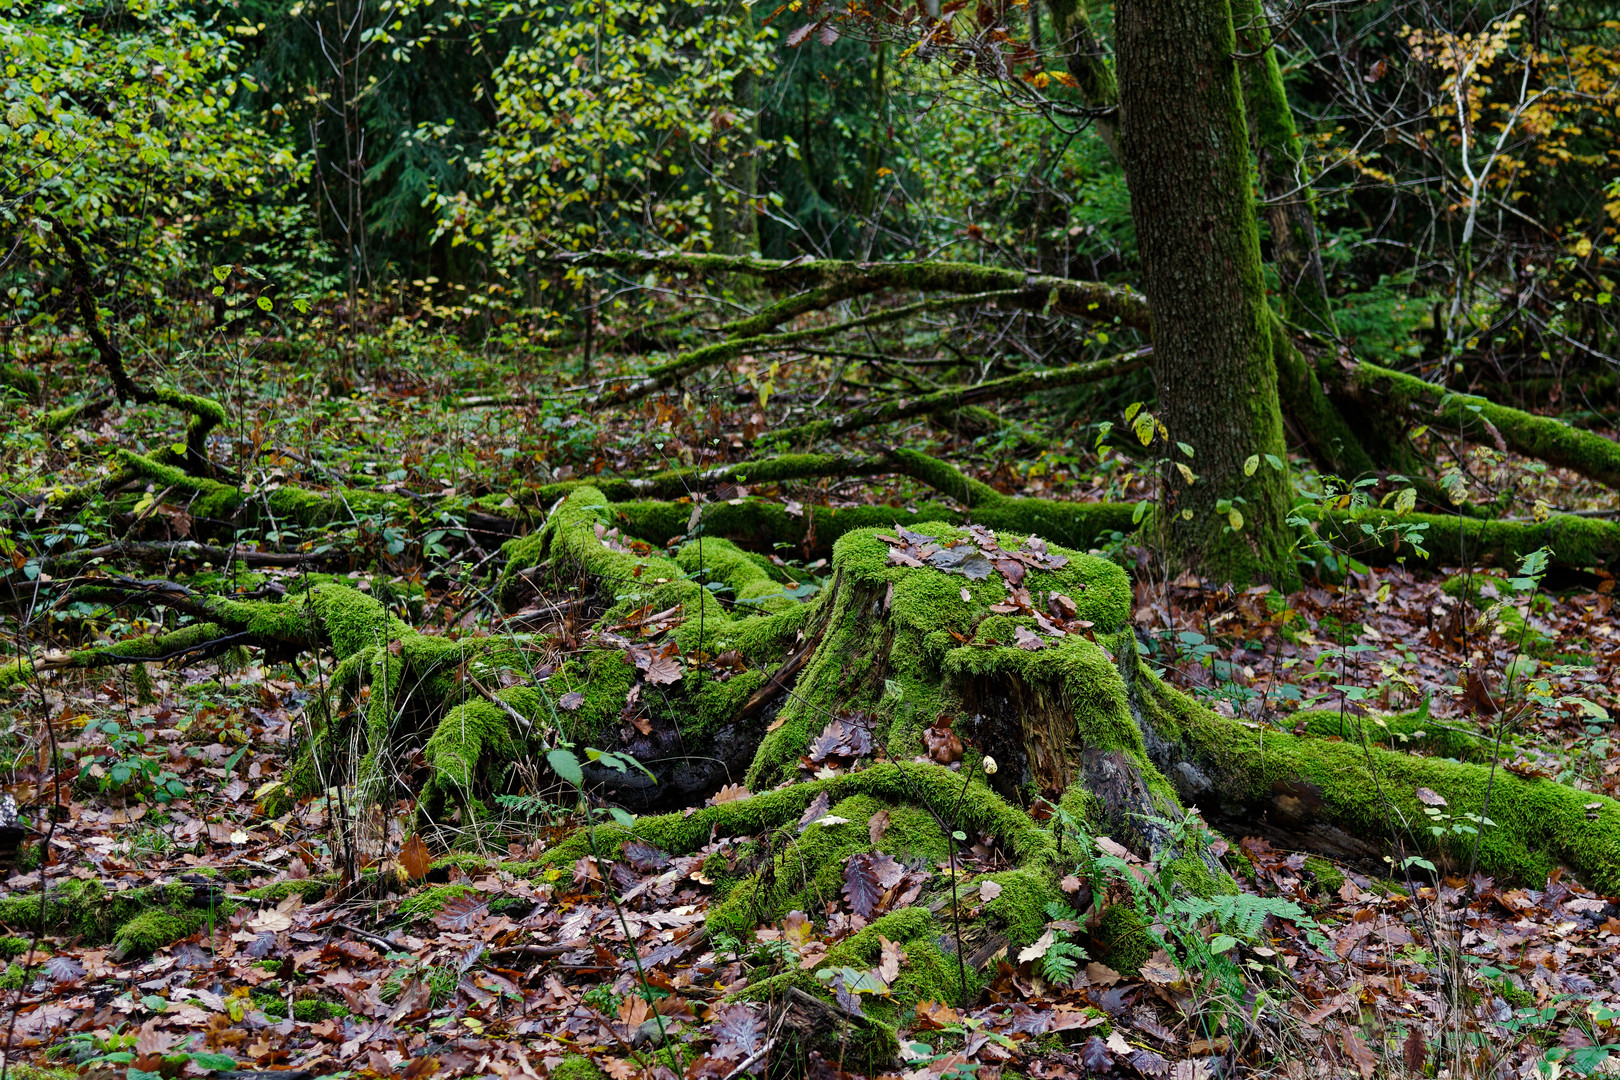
[{"x": 461, "y": 956}]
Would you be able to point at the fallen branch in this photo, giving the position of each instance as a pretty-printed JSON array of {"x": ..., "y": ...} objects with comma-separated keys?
[
  {"x": 667, "y": 373},
  {"x": 1065, "y": 296},
  {"x": 206, "y": 413},
  {"x": 154, "y": 553},
  {"x": 957, "y": 397}
]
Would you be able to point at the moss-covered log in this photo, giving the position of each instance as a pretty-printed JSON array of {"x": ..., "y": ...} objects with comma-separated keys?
[
  {"x": 137, "y": 921},
  {"x": 1372, "y": 535},
  {"x": 1424, "y": 403},
  {"x": 1089, "y": 300},
  {"x": 221, "y": 509},
  {"x": 20, "y": 380},
  {"x": 1376, "y": 536}
]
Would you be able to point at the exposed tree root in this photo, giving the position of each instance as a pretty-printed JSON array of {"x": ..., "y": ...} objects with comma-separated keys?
[
  {"x": 891, "y": 649},
  {"x": 1081, "y": 721}
]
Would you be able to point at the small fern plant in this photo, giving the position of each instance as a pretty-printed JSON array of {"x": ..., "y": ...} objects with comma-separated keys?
[
  {"x": 1061, "y": 961},
  {"x": 1239, "y": 917}
]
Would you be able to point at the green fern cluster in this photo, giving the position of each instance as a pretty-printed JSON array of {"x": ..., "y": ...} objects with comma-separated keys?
[
  {"x": 1240, "y": 916},
  {"x": 1062, "y": 958}
]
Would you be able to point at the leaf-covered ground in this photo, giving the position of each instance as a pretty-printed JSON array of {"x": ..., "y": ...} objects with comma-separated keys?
[{"x": 457, "y": 954}]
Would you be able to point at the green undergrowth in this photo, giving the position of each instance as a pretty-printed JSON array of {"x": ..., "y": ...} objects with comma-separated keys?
[{"x": 138, "y": 921}]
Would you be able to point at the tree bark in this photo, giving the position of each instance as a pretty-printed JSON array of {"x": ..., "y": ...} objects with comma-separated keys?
[{"x": 1185, "y": 147}]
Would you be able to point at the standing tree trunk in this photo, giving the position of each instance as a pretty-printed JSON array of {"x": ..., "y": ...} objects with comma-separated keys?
[
  {"x": 1083, "y": 55},
  {"x": 1290, "y": 204},
  {"x": 1184, "y": 145}
]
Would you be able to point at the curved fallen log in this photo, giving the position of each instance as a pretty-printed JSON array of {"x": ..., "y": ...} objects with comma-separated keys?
[{"x": 1550, "y": 440}]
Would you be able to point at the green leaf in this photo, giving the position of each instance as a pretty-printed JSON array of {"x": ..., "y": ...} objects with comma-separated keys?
[
  {"x": 214, "y": 1062},
  {"x": 1139, "y": 513},
  {"x": 265, "y": 303},
  {"x": 1222, "y": 942},
  {"x": 566, "y": 765},
  {"x": 1275, "y": 462},
  {"x": 623, "y": 817},
  {"x": 1184, "y": 448}
]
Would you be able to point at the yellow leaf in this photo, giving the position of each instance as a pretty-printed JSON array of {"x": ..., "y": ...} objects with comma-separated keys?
[
  {"x": 1186, "y": 473},
  {"x": 1235, "y": 518},
  {"x": 1251, "y": 464}
]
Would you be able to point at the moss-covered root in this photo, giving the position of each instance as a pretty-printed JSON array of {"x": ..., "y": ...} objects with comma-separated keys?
[
  {"x": 385, "y": 669},
  {"x": 1357, "y": 798}
]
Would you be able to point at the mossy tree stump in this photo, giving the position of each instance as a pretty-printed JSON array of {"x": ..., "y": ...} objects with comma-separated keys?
[
  {"x": 1035, "y": 665},
  {"x": 711, "y": 669}
]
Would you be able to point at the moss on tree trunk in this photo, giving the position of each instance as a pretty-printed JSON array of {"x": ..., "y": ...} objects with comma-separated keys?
[{"x": 1185, "y": 148}]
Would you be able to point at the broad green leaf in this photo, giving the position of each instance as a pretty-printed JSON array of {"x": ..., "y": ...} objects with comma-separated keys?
[{"x": 566, "y": 765}]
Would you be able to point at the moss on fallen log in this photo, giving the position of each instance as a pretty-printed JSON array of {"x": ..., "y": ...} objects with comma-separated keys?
[
  {"x": 1372, "y": 536},
  {"x": 138, "y": 921},
  {"x": 1553, "y": 441},
  {"x": 1360, "y": 799}
]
